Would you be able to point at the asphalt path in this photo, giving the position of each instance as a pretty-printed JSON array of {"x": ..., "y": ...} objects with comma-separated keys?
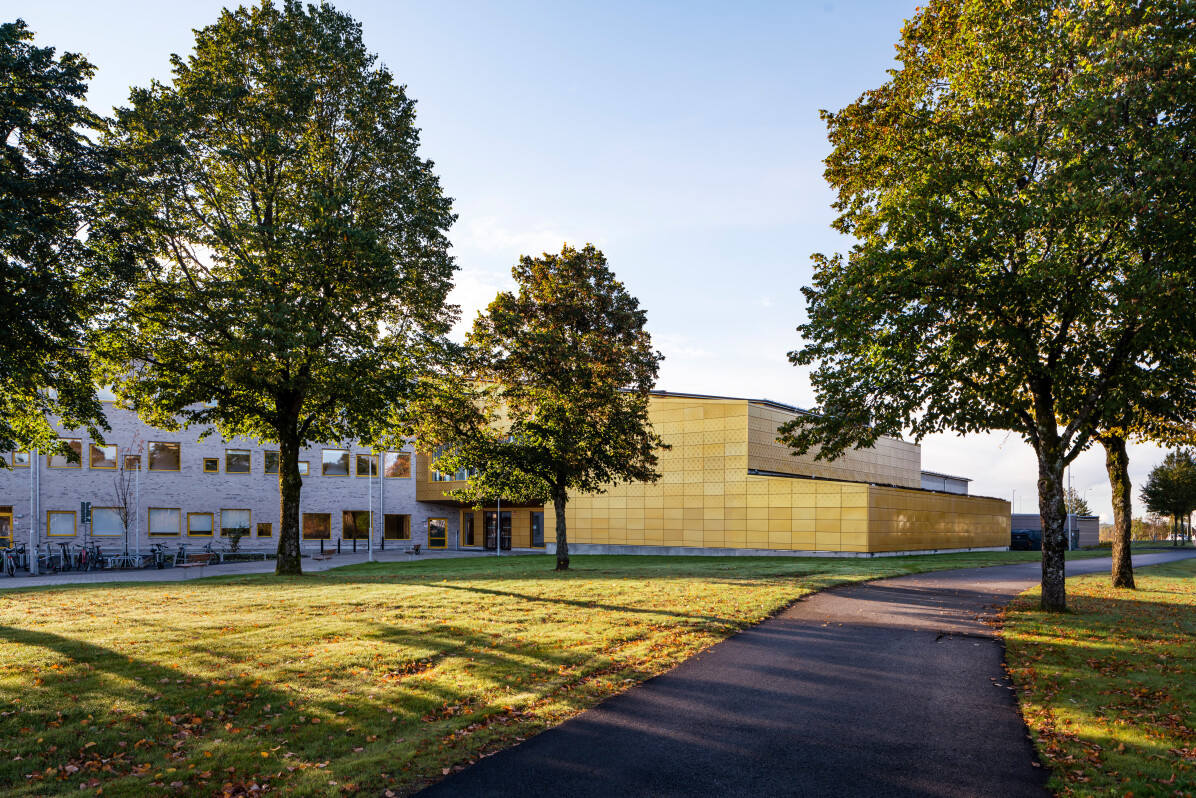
[{"x": 890, "y": 688}]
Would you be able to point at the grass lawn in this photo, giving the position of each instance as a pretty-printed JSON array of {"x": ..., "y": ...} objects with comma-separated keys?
[
  {"x": 369, "y": 678},
  {"x": 1107, "y": 689}
]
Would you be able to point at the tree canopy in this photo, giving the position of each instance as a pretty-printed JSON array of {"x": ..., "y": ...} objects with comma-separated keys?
[
  {"x": 554, "y": 396},
  {"x": 1023, "y": 233},
  {"x": 1075, "y": 503},
  {"x": 291, "y": 240},
  {"x": 1170, "y": 488},
  {"x": 51, "y": 174}
]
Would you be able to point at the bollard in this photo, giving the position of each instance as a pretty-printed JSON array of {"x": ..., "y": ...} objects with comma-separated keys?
[
  {"x": 321, "y": 547},
  {"x": 354, "y": 545},
  {"x": 338, "y": 545}
]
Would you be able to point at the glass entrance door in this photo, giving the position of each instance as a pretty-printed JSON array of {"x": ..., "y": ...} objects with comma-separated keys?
[
  {"x": 537, "y": 530},
  {"x": 493, "y": 535},
  {"x": 5, "y": 529}
]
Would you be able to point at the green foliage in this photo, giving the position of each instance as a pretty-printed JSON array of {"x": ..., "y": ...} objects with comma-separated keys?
[
  {"x": 1023, "y": 246},
  {"x": 1170, "y": 487},
  {"x": 292, "y": 242},
  {"x": 50, "y": 176},
  {"x": 555, "y": 392},
  {"x": 1075, "y": 503}
]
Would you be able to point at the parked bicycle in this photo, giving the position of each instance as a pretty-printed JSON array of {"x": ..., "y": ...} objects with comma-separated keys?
[
  {"x": 8, "y": 561},
  {"x": 158, "y": 555},
  {"x": 217, "y": 549}
]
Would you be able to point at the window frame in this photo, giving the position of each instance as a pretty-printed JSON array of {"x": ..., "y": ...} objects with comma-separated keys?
[
  {"x": 74, "y": 523},
  {"x": 149, "y": 527},
  {"x": 215, "y": 463},
  {"x": 370, "y": 516},
  {"x": 304, "y": 468},
  {"x": 445, "y": 522},
  {"x": 249, "y": 466},
  {"x": 150, "y": 459},
  {"x": 211, "y": 526},
  {"x": 269, "y": 525},
  {"x": 248, "y": 525},
  {"x": 95, "y": 534},
  {"x": 277, "y": 462},
  {"x": 12, "y": 460},
  {"x": 324, "y": 463},
  {"x": 93, "y": 447},
  {"x": 397, "y": 455},
  {"x": 69, "y": 465},
  {"x": 372, "y": 458},
  {"x": 136, "y": 457},
  {"x": 303, "y": 526},
  {"x": 404, "y": 526}
]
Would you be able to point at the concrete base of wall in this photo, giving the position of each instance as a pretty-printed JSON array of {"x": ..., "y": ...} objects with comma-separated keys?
[{"x": 696, "y": 551}]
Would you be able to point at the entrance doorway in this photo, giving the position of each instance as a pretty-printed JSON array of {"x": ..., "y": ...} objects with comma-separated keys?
[
  {"x": 6, "y": 527},
  {"x": 492, "y": 522}
]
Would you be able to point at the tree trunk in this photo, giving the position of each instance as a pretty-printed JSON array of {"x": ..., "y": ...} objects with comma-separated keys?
[
  {"x": 290, "y": 484},
  {"x": 1054, "y": 521},
  {"x": 560, "y": 498},
  {"x": 1117, "y": 463}
]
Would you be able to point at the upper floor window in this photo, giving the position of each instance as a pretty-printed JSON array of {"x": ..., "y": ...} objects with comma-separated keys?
[
  {"x": 103, "y": 456},
  {"x": 132, "y": 462},
  {"x": 367, "y": 465},
  {"x": 236, "y": 461},
  {"x": 270, "y": 462},
  {"x": 19, "y": 460},
  {"x": 61, "y": 461},
  {"x": 397, "y": 465},
  {"x": 336, "y": 463},
  {"x": 164, "y": 456}
]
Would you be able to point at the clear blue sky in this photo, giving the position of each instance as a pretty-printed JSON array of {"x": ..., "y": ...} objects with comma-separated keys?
[{"x": 683, "y": 139}]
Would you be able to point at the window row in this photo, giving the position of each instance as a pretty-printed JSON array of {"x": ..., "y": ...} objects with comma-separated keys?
[
  {"x": 167, "y": 456},
  {"x": 172, "y": 522}
]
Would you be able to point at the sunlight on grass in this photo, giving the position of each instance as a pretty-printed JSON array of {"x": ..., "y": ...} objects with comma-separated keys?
[
  {"x": 367, "y": 678},
  {"x": 1106, "y": 689}
]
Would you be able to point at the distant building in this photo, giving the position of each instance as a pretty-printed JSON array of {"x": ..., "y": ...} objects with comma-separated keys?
[
  {"x": 932, "y": 480},
  {"x": 1026, "y": 535}
]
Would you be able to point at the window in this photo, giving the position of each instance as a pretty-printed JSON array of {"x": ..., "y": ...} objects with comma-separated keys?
[
  {"x": 164, "y": 456},
  {"x": 132, "y": 462},
  {"x": 164, "y": 522},
  {"x": 336, "y": 463},
  {"x": 199, "y": 525},
  {"x": 60, "y": 524},
  {"x": 396, "y": 527},
  {"x": 235, "y": 521},
  {"x": 269, "y": 462},
  {"x": 19, "y": 460},
  {"x": 103, "y": 456},
  {"x": 211, "y": 465},
  {"x": 236, "y": 461},
  {"x": 105, "y": 522},
  {"x": 367, "y": 465},
  {"x": 398, "y": 465},
  {"x": 105, "y": 393},
  {"x": 265, "y": 529},
  {"x": 537, "y": 530},
  {"x": 303, "y": 468},
  {"x": 355, "y": 525},
  {"x": 317, "y": 526},
  {"x": 61, "y": 461},
  {"x": 437, "y": 533},
  {"x": 467, "y": 534}
]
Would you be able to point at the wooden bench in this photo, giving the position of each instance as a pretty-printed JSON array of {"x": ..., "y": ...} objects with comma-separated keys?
[
  {"x": 196, "y": 561},
  {"x": 321, "y": 556},
  {"x": 414, "y": 549}
]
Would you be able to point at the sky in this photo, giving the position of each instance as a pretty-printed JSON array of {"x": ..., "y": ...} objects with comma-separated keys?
[{"x": 682, "y": 139}]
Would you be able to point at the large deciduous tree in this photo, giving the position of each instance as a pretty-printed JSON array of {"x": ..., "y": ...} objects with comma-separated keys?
[
  {"x": 292, "y": 241},
  {"x": 51, "y": 173},
  {"x": 1170, "y": 489},
  {"x": 555, "y": 394},
  {"x": 1020, "y": 191}
]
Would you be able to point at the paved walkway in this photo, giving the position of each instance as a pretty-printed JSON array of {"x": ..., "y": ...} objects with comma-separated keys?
[
  {"x": 891, "y": 688},
  {"x": 23, "y": 579}
]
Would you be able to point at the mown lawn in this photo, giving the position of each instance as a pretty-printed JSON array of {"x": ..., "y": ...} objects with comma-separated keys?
[
  {"x": 371, "y": 678},
  {"x": 1107, "y": 689}
]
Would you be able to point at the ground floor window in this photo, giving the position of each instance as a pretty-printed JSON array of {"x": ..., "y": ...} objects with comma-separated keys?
[
  {"x": 498, "y": 528},
  {"x": 200, "y": 525},
  {"x": 165, "y": 522},
  {"x": 105, "y": 522},
  {"x": 537, "y": 530},
  {"x": 265, "y": 529},
  {"x": 437, "y": 533},
  {"x": 60, "y": 524},
  {"x": 317, "y": 526},
  {"x": 355, "y": 525},
  {"x": 468, "y": 535},
  {"x": 397, "y": 527},
  {"x": 235, "y": 522}
]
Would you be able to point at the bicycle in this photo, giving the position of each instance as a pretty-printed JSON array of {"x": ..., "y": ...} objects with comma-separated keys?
[
  {"x": 9, "y": 562},
  {"x": 216, "y": 549},
  {"x": 158, "y": 555}
]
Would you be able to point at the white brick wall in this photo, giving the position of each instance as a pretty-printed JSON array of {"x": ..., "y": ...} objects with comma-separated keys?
[{"x": 191, "y": 490}]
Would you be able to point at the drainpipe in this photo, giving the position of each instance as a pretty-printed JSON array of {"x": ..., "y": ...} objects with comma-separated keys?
[
  {"x": 34, "y": 511},
  {"x": 369, "y": 499}
]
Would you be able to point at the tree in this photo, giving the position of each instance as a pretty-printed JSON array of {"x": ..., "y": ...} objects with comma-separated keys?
[
  {"x": 1023, "y": 234},
  {"x": 555, "y": 389},
  {"x": 1170, "y": 488},
  {"x": 125, "y": 499},
  {"x": 50, "y": 176},
  {"x": 1075, "y": 503},
  {"x": 292, "y": 242}
]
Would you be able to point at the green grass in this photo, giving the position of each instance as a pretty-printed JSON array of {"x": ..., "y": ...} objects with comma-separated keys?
[
  {"x": 1107, "y": 688},
  {"x": 367, "y": 678}
]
